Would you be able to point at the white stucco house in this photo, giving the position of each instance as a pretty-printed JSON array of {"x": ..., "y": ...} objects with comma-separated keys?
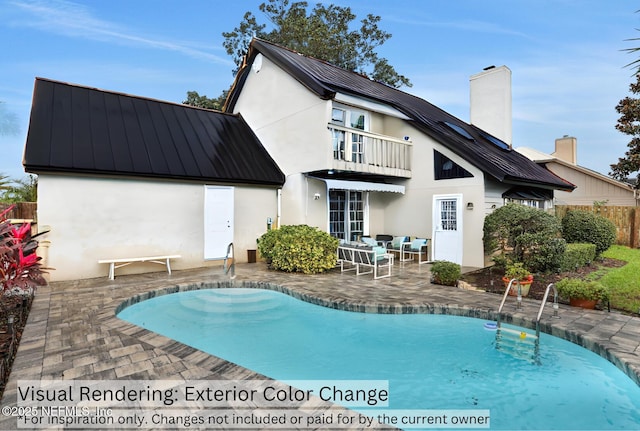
[
  {"x": 121, "y": 176},
  {"x": 300, "y": 142},
  {"x": 362, "y": 158}
]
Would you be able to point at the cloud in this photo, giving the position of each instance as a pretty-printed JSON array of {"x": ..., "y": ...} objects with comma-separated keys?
[{"x": 75, "y": 20}]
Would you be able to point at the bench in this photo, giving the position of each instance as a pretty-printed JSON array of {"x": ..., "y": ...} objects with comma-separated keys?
[
  {"x": 119, "y": 263},
  {"x": 364, "y": 256}
]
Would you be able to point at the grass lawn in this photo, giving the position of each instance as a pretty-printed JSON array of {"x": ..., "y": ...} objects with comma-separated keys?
[{"x": 623, "y": 282}]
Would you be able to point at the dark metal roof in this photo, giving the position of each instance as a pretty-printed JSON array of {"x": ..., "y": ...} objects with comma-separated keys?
[
  {"x": 484, "y": 151},
  {"x": 76, "y": 129}
]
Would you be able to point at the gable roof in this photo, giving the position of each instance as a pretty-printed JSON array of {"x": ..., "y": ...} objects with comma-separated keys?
[
  {"x": 76, "y": 129},
  {"x": 478, "y": 147},
  {"x": 544, "y": 158}
]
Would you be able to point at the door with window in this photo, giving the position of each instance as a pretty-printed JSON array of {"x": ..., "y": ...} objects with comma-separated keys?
[
  {"x": 447, "y": 228},
  {"x": 346, "y": 214}
]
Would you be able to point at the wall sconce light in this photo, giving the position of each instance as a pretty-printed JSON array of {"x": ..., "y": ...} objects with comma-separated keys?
[
  {"x": 316, "y": 196},
  {"x": 469, "y": 205},
  {"x": 493, "y": 206}
]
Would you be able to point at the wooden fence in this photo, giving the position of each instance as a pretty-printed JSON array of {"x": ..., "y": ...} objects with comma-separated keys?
[
  {"x": 626, "y": 219},
  {"x": 22, "y": 210}
]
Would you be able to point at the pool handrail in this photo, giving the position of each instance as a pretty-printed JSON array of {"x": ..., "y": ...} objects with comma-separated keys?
[
  {"x": 544, "y": 302},
  {"x": 232, "y": 267}
]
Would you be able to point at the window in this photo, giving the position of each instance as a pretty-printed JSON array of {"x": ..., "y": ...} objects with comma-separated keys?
[
  {"x": 446, "y": 169},
  {"x": 354, "y": 119},
  {"x": 346, "y": 214},
  {"x": 448, "y": 214}
]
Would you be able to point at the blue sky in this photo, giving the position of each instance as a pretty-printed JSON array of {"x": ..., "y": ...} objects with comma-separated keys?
[{"x": 566, "y": 57}]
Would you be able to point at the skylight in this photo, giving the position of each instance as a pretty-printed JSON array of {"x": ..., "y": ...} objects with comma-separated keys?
[
  {"x": 459, "y": 130},
  {"x": 495, "y": 141}
]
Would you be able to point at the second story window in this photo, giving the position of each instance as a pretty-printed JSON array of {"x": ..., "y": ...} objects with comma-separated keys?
[{"x": 353, "y": 119}]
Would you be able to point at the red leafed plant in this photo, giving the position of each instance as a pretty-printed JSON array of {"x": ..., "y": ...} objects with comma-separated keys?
[{"x": 20, "y": 269}]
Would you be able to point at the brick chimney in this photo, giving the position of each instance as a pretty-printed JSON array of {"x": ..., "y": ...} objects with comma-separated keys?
[
  {"x": 567, "y": 149},
  {"x": 490, "y": 92}
]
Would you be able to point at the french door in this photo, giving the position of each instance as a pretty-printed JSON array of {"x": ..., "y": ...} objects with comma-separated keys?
[{"x": 346, "y": 214}]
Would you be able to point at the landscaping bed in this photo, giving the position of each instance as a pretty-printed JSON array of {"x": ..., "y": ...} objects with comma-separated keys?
[
  {"x": 17, "y": 306},
  {"x": 490, "y": 279}
]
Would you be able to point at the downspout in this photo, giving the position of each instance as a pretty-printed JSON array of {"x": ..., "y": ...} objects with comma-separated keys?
[{"x": 279, "y": 210}]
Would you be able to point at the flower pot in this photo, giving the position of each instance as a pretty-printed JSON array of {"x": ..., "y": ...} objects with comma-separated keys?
[
  {"x": 525, "y": 285},
  {"x": 589, "y": 304}
]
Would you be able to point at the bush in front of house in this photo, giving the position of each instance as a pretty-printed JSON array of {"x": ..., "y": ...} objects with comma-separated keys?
[
  {"x": 577, "y": 255},
  {"x": 524, "y": 234},
  {"x": 585, "y": 226},
  {"x": 445, "y": 273},
  {"x": 299, "y": 248}
]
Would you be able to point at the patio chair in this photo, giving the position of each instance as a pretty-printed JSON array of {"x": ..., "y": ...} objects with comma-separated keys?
[
  {"x": 399, "y": 244},
  {"x": 418, "y": 246},
  {"x": 384, "y": 240}
]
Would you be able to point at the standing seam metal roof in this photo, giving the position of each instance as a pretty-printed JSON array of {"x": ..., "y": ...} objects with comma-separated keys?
[{"x": 76, "y": 129}]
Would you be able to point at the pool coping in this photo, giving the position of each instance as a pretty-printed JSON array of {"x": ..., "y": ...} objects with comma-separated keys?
[{"x": 73, "y": 331}]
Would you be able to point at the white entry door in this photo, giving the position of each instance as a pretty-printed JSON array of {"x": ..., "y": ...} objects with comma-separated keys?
[
  {"x": 218, "y": 221},
  {"x": 447, "y": 228}
]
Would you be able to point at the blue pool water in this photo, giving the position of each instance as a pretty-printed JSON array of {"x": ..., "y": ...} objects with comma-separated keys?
[{"x": 430, "y": 361}]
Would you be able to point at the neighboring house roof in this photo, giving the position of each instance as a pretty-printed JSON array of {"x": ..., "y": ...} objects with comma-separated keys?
[
  {"x": 544, "y": 158},
  {"x": 76, "y": 129},
  {"x": 484, "y": 151}
]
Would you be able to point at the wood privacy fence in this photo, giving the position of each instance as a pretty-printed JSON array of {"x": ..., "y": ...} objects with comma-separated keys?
[
  {"x": 22, "y": 210},
  {"x": 626, "y": 219}
]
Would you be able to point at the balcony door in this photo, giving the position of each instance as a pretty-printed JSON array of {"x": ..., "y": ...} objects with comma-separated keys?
[
  {"x": 447, "y": 228},
  {"x": 346, "y": 214},
  {"x": 352, "y": 151}
]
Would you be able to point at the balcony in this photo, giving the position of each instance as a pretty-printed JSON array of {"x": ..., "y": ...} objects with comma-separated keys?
[{"x": 359, "y": 151}]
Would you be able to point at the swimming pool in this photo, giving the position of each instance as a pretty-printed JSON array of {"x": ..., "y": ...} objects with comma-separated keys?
[{"x": 430, "y": 361}]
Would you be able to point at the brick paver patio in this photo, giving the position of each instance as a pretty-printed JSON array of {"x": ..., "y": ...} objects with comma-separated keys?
[{"x": 73, "y": 331}]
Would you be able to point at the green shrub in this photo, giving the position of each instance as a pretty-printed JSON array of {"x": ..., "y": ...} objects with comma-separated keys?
[
  {"x": 445, "y": 273},
  {"x": 584, "y": 226},
  {"x": 516, "y": 270},
  {"x": 578, "y": 255},
  {"x": 524, "y": 234},
  {"x": 581, "y": 289},
  {"x": 299, "y": 248}
]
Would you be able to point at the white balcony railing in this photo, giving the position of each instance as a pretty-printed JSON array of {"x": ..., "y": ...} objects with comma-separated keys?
[{"x": 364, "y": 148}]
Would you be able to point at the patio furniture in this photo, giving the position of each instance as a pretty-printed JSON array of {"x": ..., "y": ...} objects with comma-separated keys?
[
  {"x": 418, "y": 246},
  {"x": 384, "y": 239},
  {"x": 400, "y": 244},
  {"x": 119, "y": 263},
  {"x": 359, "y": 256}
]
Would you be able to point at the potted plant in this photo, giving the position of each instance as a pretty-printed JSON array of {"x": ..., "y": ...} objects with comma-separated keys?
[
  {"x": 521, "y": 274},
  {"x": 582, "y": 293}
]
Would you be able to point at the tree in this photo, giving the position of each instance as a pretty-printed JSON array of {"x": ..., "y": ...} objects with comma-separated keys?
[
  {"x": 325, "y": 33},
  {"x": 629, "y": 123},
  {"x": 21, "y": 190},
  {"x": 194, "y": 99}
]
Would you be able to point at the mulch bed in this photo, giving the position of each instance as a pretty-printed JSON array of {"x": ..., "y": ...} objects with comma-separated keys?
[
  {"x": 17, "y": 306},
  {"x": 490, "y": 279}
]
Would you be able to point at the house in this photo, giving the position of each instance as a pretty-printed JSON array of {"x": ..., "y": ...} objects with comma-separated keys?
[
  {"x": 121, "y": 176},
  {"x": 591, "y": 186},
  {"x": 362, "y": 158}
]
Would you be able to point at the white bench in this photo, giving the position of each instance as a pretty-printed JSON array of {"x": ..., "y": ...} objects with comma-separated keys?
[{"x": 119, "y": 263}]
